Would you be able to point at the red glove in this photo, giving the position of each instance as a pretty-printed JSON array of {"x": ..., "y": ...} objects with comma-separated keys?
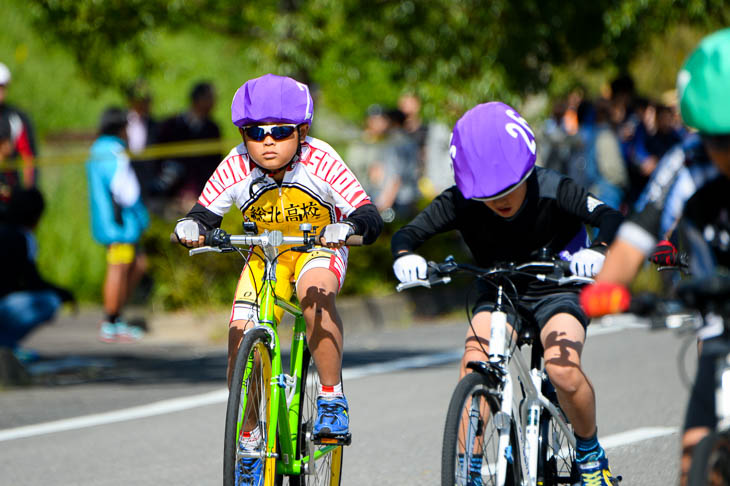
[
  {"x": 665, "y": 254},
  {"x": 604, "y": 298}
]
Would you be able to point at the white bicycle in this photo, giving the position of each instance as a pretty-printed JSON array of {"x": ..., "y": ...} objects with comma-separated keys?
[{"x": 493, "y": 435}]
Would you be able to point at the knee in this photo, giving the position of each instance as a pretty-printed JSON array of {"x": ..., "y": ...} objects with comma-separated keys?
[{"x": 567, "y": 379}]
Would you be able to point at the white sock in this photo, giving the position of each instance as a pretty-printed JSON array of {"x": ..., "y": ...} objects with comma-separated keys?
[
  {"x": 327, "y": 391},
  {"x": 250, "y": 440}
]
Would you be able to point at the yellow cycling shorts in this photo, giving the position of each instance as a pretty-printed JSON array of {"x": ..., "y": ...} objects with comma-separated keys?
[
  {"x": 290, "y": 266},
  {"x": 120, "y": 254}
]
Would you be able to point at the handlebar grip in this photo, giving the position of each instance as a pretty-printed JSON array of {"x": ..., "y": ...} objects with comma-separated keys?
[
  {"x": 354, "y": 240},
  {"x": 563, "y": 264}
]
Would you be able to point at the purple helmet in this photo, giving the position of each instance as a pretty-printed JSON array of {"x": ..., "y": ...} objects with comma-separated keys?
[
  {"x": 271, "y": 99},
  {"x": 493, "y": 149}
]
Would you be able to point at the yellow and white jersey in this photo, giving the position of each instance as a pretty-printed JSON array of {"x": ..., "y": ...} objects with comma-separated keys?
[{"x": 319, "y": 189}]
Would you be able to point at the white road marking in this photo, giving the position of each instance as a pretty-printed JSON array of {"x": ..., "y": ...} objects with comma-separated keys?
[
  {"x": 220, "y": 396},
  {"x": 636, "y": 435},
  {"x": 132, "y": 413}
]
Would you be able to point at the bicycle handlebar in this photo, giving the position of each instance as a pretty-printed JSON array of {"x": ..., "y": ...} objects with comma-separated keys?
[
  {"x": 438, "y": 272},
  {"x": 219, "y": 241}
]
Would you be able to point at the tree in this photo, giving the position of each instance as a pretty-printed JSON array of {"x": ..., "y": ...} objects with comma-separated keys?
[{"x": 454, "y": 53}]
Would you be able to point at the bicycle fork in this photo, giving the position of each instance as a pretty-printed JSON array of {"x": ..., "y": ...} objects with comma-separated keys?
[{"x": 532, "y": 429}]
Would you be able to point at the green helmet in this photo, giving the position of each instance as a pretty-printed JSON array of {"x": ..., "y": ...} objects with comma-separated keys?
[{"x": 703, "y": 85}]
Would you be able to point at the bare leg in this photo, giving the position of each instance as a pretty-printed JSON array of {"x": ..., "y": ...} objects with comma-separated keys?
[
  {"x": 316, "y": 289},
  {"x": 690, "y": 439},
  {"x": 136, "y": 272},
  {"x": 115, "y": 288},
  {"x": 476, "y": 345},
  {"x": 562, "y": 338},
  {"x": 235, "y": 336}
]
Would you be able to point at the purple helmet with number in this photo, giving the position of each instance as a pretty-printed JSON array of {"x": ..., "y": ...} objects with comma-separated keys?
[
  {"x": 493, "y": 149},
  {"x": 272, "y": 99}
]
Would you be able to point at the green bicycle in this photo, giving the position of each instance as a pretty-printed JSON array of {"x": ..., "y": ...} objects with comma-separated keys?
[{"x": 283, "y": 405}]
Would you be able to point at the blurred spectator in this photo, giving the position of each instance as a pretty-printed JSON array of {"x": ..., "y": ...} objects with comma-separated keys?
[
  {"x": 610, "y": 178},
  {"x": 570, "y": 114},
  {"x": 557, "y": 149},
  {"x": 385, "y": 160},
  {"x": 118, "y": 218},
  {"x": 183, "y": 177},
  {"x": 26, "y": 299},
  {"x": 629, "y": 115},
  {"x": 366, "y": 154},
  {"x": 409, "y": 105},
  {"x": 432, "y": 139},
  {"x": 141, "y": 126},
  {"x": 438, "y": 173},
  {"x": 665, "y": 135},
  {"x": 6, "y": 149},
  {"x": 22, "y": 141},
  {"x": 141, "y": 129},
  {"x": 403, "y": 157}
]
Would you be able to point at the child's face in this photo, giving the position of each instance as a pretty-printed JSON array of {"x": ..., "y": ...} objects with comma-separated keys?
[
  {"x": 508, "y": 205},
  {"x": 273, "y": 154}
]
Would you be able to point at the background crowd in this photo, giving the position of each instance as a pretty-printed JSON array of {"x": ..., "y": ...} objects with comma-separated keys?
[{"x": 611, "y": 144}]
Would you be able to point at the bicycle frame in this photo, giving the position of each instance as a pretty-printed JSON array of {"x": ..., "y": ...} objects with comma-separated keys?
[
  {"x": 284, "y": 406},
  {"x": 534, "y": 401},
  {"x": 284, "y": 391}
]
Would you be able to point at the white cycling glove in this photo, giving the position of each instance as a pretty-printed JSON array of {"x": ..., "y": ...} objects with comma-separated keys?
[
  {"x": 410, "y": 267},
  {"x": 337, "y": 232},
  {"x": 187, "y": 229},
  {"x": 586, "y": 262}
]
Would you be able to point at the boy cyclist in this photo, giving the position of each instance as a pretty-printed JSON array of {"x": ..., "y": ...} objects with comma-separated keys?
[
  {"x": 279, "y": 178},
  {"x": 704, "y": 229},
  {"x": 505, "y": 209}
]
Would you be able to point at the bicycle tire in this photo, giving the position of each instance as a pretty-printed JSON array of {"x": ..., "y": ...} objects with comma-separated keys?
[
  {"x": 250, "y": 374},
  {"x": 556, "y": 460},
  {"x": 475, "y": 385},
  {"x": 711, "y": 461},
  {"x": 327, "y": 471}
]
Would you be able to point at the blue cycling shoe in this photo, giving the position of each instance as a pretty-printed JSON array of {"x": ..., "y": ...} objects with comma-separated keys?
[
  {"x": 596, "y": 473},
  {"x": 250, "y": 472},
  {"x": 332, "y": 417}
]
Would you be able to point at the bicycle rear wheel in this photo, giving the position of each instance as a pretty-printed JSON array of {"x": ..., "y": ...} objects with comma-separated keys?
[
  {"x": 327, "y": 471},
  {"x": 711, "y": 461},
  {"x": 249, "y": 403},
  {"x": 471, "y": 437}
]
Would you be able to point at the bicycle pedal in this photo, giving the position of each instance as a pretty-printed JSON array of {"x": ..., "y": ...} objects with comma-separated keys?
[{"x": 326, "y": 440}]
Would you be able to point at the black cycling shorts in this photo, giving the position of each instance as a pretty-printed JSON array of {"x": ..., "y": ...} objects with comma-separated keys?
[{"x": 538, "y": 310}]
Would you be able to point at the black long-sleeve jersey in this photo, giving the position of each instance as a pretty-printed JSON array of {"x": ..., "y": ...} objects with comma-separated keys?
[
  {"x": 554, "y": 212},
  {"x": 705, "y": 229}
]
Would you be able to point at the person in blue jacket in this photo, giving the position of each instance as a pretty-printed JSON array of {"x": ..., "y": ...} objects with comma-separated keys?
[{"x": 118, "y": 219}]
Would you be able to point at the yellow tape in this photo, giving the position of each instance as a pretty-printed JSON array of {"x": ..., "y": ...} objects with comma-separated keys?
[{"x": 149, "y": 154}]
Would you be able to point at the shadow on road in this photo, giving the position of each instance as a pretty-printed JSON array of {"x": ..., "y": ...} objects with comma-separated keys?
[{"x": 135, "y": 368}]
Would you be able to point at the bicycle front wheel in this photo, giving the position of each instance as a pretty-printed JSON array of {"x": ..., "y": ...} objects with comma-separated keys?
[
  {"x": 711, "y": 461},
  {"x": 557, "y": 457},
  {"x": 327, "y": 470},
  {"x": 471, "y": 438},
  {"x": 249, "y": 405}
]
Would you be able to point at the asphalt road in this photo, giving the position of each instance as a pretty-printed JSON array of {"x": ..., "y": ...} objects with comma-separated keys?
[{"x": 397, "y": 411}]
